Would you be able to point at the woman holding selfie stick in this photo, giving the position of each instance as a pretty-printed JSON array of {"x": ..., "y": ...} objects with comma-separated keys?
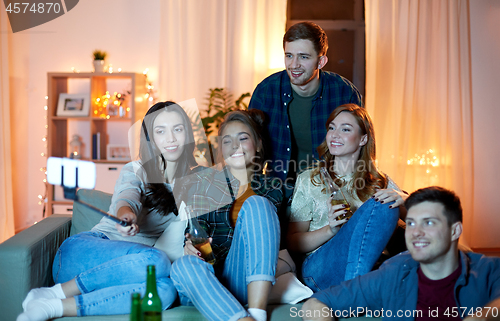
[
  {"x": 338, "y": 248},
  {"x": 237, "y": 207},
  {"x": 96, "y": 271}
]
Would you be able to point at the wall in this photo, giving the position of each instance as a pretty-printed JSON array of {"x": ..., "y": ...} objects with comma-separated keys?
[
  {"x": 485, "y": 50},
  {"x": 127, "y": 29}
]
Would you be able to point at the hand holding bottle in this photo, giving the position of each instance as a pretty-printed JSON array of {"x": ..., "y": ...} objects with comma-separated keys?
[
  {"x": 197, "y": 240},
  {"x": 190, "y": 249},
  {"x": 339, "y": 208},
  {"x": 336, "y": 215}
]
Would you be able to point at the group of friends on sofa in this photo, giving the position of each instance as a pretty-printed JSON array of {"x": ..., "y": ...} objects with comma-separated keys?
[{"x": 301, "y": 122}]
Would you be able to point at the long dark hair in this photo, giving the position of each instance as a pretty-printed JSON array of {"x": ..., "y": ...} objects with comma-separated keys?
[
  {"x": 152, "y": 159},
  {"x": 158, "y": 197}
]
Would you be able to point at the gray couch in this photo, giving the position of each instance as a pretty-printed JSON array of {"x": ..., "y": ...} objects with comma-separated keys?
[{"x": 26, "y": 263}]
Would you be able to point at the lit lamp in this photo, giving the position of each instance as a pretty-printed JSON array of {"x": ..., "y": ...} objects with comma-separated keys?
[{"x": 76, "y": 146}]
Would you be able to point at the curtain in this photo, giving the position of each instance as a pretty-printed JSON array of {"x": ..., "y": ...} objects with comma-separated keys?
[
  {"x": 419, "y": 93},
  {"x": 6, "y": 196},
  {"x": 218, "y": 43}
]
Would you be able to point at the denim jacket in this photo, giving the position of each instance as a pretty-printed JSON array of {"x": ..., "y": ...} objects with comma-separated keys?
[{"x": 394, "y": 288}]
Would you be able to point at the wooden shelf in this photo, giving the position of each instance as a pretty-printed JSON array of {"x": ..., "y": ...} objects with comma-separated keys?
[{"x": 112, "y": 131}]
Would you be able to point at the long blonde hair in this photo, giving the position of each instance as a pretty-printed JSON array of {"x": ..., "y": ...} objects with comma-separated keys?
[{"x": 365, "y": 170}]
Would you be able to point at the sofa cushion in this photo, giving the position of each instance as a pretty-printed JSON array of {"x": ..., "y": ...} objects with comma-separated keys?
[{"x": 83, "y": 217}]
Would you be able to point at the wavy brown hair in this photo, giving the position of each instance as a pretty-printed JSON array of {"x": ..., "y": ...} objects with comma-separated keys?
[
  {"x": 365, "y": 168},
  {"x": 308, "y": 31}
]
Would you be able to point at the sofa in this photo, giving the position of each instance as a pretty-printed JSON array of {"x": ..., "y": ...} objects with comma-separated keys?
[{"x": 26, "y": 263}]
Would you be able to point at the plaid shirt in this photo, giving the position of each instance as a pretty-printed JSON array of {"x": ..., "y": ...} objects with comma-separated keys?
[
  {"x": 212, "y": 197},
  {"x": 273, "y": 95}
]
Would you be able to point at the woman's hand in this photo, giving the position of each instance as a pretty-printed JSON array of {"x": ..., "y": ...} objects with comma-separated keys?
[
  {"x": 390, "y": 195},
  {"x": 190, "y": 249},
  {"x": 126, "y": 214},
  {"x": 335, "y": 211}
]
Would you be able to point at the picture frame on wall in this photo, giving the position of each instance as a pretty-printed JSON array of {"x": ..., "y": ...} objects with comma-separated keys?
[{"x": 73, "y": 105}]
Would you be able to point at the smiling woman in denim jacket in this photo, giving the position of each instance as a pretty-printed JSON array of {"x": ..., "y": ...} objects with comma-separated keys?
[
  {"x": 336, "y": 251},
  {"x": 96, "y": 271}
]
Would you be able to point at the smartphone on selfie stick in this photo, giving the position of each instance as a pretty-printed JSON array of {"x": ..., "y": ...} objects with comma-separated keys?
[{"x": 72, "y": 174}]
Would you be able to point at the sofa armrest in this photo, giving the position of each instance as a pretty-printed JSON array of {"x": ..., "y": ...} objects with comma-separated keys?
[{"x": 26, "y": 261}]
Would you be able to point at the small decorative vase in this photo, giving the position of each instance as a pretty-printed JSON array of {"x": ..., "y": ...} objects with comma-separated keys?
[{"x": 98, "y": 65}]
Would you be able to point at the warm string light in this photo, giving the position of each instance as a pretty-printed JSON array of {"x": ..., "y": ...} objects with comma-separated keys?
[
  {"x": 109, "y": 69},
  {"x": 41, "y": 198},
  {"x": 108, "y": 106},
  {"x": 151, "y": 93},
  {"x": 428, "y": 159}
]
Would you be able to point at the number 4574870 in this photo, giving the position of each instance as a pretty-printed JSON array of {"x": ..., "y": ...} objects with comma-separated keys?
[{"x": 22, "y": 7}]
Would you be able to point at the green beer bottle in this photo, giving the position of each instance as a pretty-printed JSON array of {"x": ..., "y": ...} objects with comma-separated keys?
[
  {"x": 135, "y": 311},
  {"x": 151, "y": 303}
]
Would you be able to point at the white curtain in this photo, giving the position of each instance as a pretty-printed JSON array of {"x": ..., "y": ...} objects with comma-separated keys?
[
  {"x": 418, "y": 91},
  {"x": 6, "y": 196},
  {"x": 218, "y": 43}
]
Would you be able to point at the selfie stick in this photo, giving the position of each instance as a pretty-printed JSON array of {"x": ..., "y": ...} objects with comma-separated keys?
[{"x": 70, "y": 193}]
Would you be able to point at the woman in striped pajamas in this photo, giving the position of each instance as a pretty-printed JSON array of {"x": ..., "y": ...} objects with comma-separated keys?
[{"x": 237, "y": 207}]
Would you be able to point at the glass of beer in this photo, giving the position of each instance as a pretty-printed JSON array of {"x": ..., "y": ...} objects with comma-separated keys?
[
  {"x": 336, "y": 194},
  {"x": 203, "y": 245}
]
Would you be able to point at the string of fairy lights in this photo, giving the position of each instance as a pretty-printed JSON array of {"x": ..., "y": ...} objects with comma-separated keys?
[
  {"x": 101, "y": 108},
  {"x": 41, "y": 198}
]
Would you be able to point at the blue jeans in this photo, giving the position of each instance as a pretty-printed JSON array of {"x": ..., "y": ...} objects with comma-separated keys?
[
  {"x": 252, "y": 257},
  {"x": 108, "y": 272},
  {"x": 354, "y": 249}
]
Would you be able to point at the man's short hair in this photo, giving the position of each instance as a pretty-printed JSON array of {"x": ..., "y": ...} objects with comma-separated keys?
[
  {"x": 436, "y": 194},
  {"x": 308, "y": 31}
]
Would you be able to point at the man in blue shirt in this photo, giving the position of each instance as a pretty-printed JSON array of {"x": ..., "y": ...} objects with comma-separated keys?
[
  {"x": 434, "y": 281},
  {"x": 297, "y": 101}
]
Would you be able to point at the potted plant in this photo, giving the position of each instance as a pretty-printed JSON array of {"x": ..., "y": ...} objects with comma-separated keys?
[
  {"x": 99, "y": 57},
  {"x": 219, "y": 102}
]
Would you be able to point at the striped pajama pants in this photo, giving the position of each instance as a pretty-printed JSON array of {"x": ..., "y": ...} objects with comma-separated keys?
[{"x": 252, "y": 257}]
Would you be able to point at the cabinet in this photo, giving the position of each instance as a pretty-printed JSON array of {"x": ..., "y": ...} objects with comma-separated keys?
[{"x": 114, "y": 131}]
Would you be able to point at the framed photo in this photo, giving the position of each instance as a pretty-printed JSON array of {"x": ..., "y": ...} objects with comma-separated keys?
[
  {"x": 115, "y": 152},
  {"x": 73, "y": 105}
]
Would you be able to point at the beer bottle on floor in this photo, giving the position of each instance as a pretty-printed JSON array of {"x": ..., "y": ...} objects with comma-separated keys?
[
  {"x": 135, "y": 311},
  {"x": 151, "y": 303},
  {"x": 199, "y": 237}
]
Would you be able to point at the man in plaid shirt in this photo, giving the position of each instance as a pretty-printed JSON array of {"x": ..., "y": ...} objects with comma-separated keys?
[{"x": 297, "y": 101}]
